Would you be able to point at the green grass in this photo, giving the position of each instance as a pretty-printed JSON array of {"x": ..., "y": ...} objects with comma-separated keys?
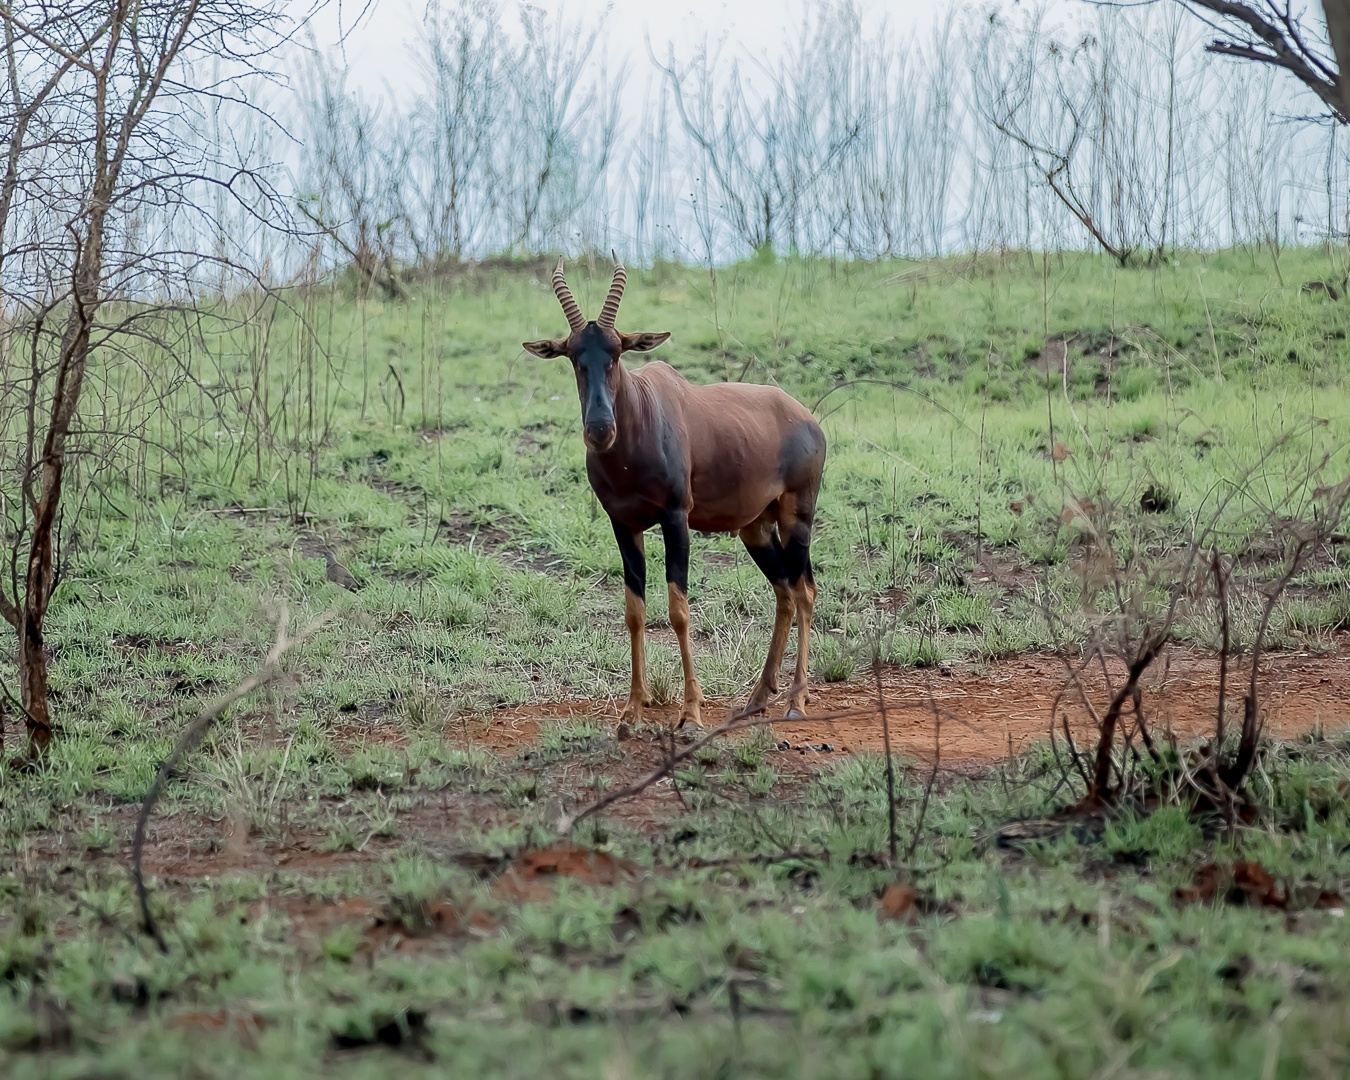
[
  {"x": 456, "y": 493},
  {"x": 1066, "y": 958}
]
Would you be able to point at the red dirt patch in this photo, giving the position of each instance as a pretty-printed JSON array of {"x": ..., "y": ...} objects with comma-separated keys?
[
  {"x": 1245, "y": 883},
  {"x": 381, "y": 928},
  {"x": 898, "y": 901},
  {"x": 533, "y": 873},
  {"x": 987, "y": 714},
  {"x": 441, "y": 919},
  {"x": 242, "y": 1026}
]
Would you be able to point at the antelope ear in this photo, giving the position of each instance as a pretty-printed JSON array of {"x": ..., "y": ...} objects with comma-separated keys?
[
  {"x": 642, "y": 342},
  {"x": 545, "y": 349}
]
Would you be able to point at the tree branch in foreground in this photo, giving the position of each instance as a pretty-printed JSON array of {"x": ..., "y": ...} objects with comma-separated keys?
[
  {"x": 1271, "y": 34},
  {"x": 269, "y": 671}
]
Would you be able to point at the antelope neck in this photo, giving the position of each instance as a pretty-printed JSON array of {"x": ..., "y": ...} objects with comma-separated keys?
[{"x": 630, "y": 414}]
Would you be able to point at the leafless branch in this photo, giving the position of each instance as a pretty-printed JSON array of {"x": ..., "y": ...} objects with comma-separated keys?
[{"x": 269, "y": 671}]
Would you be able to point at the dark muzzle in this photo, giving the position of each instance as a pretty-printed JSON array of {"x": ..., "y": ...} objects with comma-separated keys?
[{"x": 600, "y": 434}]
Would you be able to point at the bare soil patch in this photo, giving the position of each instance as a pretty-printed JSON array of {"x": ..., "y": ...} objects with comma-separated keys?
[
  {"x": 532, "y": 874},
  {"x": 984, "y": 714},
  {"x": 977, "y": 715}
]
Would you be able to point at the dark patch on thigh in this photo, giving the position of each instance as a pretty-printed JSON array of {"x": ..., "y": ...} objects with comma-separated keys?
[{"x": 801, "y": 457}]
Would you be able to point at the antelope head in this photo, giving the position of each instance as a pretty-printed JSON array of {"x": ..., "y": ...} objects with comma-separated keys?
[{"x": 594, "y": 348}]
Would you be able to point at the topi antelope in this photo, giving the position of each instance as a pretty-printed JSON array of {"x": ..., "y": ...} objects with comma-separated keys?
[{"x": 733, "y": 458}]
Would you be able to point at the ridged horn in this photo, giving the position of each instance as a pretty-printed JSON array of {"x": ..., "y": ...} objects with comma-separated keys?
[
  {"x": 611, "y": 308},
  {"x": 575, "y": 320}
]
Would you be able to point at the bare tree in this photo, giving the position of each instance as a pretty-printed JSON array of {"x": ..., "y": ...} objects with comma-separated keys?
[
  {"x": 1057, "y": 101},
  {"x": 563, "y": 128},
  {"x": 1273, "y": 32},
  {"x": 353, "y": 199},
  {"x": 855, "y": 140},
  {"x": 457, "y": 122},
  {"x": 98, "y": 160},
  {"x": 1137, "y": 602}
]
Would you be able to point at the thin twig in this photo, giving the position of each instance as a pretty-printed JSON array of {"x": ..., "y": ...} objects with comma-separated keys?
[
  {"x": 1221, "y": 589},
  {"x": 932, "y": 777},
  {"x": 890, "y": 762},
  {"x": 739, "y": 720},
  {"x": 268, "y": 672}
]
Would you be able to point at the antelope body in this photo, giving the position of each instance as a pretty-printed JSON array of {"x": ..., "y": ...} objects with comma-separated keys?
[{"x": 661, "y": 451}]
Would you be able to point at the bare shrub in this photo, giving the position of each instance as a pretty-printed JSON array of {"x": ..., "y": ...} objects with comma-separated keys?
[
  {"x": 1136, "y": 602},
  {"x": 1001, "y": 128},
  {"x": 354, "y": 200}
]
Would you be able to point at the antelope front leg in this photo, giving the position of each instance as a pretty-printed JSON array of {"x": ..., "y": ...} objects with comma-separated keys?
[
  {"x": 676, "y": 533},
  {"x": 631, "y": 548}
]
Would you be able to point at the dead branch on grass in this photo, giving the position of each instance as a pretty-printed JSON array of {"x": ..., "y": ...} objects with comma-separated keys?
[
  {"x": 932, "y": 775},
  {"x": 269, "y": 671},
  {"x": 737, "y": 720}
]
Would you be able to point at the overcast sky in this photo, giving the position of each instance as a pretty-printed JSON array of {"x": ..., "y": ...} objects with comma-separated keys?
[{"x": 375, "y": 37}]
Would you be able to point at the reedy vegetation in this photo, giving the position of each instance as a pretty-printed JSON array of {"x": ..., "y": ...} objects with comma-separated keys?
[{"x": 1005, "y": 127}]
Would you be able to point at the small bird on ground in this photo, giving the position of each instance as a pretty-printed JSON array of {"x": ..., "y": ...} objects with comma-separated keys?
[{"x": 339, "y": 574}]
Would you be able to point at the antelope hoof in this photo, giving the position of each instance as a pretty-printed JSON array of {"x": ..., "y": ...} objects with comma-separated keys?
[
  {"x": 759, "y": 700},
  {"x": 632, "y": 712},
  {"x": 692, "y": 713},
  {"x": 796, "y": 709}
]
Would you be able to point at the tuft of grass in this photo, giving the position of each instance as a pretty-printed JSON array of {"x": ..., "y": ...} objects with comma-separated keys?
[
  {"x": 832, "y": 660},
  {"x": 916, "y": 650},
  {"x": 561, "y": 738},
  {"x": 1323, "y": 615},
  {"x": 665, "y": 676}
]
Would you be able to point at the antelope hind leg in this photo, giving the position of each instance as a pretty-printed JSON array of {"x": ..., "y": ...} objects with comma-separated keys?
[
  {"x": 796, "y": 529},
  {"x": 804, "y": 596},
  {"x": 761, "y": 541}
]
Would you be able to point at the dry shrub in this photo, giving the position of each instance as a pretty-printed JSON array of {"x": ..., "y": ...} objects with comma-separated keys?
[{"x": 1139, "y": 597}]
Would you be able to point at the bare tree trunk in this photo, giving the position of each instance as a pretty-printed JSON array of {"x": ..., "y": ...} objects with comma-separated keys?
[
  {"x": 1338, "y": 31},
  {"x": 40, "y": 581},
  {"x": 87, "y": 80}
]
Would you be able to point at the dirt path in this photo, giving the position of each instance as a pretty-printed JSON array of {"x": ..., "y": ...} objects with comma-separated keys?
[{"x": 1006, "y": 705}]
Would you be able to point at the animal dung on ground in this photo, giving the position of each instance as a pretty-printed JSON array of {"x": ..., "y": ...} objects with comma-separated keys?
[{"x": 819, "y": 748}]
